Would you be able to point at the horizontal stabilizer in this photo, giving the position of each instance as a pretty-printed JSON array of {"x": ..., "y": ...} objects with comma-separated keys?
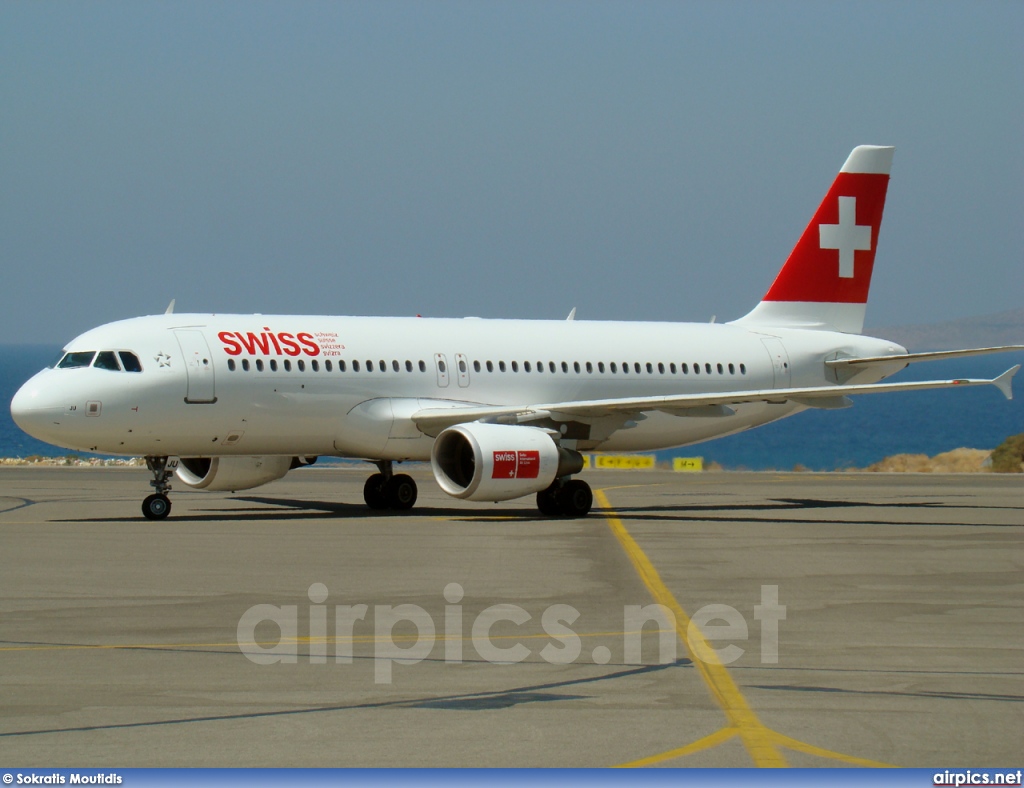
[{"x": 910, "y": 358}]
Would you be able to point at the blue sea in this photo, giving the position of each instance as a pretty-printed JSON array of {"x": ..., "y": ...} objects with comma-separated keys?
[{"x": 877, "y": 426}]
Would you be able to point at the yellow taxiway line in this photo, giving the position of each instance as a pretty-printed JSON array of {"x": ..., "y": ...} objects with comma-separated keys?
[{"x": 762, "y": 743}]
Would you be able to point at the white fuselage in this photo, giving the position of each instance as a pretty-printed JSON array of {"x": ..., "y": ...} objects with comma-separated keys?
[{"x": 221, "y": 385}]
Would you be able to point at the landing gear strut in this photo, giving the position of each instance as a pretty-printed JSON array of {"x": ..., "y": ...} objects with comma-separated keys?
[
  {"x": 566, "y": 498},
  {"x": 389, "y": 490},
  {"x": 157, "y": 506}
]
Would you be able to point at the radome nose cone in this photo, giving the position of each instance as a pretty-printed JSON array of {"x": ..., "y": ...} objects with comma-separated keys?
[
  {"x": 28, "y": 412},
  {"x": 21, "y": 405}
]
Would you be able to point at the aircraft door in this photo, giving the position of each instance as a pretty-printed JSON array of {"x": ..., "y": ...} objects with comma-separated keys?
[
  {"x": 198, "y": 366},
  {"x": 780, "y": 360},
  {"x": 441, "y": 364},
  {"x": 462, "y": 367}
]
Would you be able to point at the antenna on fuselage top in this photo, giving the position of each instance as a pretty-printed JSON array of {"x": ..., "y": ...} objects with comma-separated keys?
[{"x": 170, "y": 308}]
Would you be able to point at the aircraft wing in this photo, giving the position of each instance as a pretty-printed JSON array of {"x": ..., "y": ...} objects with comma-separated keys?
[
  {"x": 912, "y": 357},
  {"x": 432, "y": 420}
]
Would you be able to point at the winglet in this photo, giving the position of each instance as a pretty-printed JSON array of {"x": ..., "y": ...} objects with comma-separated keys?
[
  {"x": 1005, "y": 381},
  {"x": 572, "y": 314},
  {"x": 170, "y": 308}
]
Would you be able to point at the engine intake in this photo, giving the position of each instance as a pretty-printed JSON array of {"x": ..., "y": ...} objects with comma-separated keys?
[{"x": 497, "y": 462}]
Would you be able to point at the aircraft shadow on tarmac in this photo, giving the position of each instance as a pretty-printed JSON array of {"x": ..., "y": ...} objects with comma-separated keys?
[
  {"x": 268, "y": 508},
  {"x": 730, "y": 513}
]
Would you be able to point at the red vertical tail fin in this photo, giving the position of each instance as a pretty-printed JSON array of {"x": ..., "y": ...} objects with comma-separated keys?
[{"x": 825, "y": 281}]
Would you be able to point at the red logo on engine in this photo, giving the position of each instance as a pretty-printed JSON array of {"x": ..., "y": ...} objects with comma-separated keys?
[{"x": 516, "y": 465}]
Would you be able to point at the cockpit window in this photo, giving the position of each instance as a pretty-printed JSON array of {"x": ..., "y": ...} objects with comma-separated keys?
[
  {"x": 76, "y": 360},
  {"x": 107, "y": 359},
  {"x": 130, "y": 361}
]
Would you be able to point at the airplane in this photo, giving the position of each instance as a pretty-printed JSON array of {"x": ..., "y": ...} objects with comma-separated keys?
[{"x": 501, "y": 408}]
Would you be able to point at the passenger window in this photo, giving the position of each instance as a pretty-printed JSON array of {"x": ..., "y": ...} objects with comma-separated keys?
[
  {"x": 315, "y": 365},
  {"x": 273, "y": 365},
  {"x": 369, "y": 366},
  {"x": 130, "y": 361},
  {"x": 540, "y": 366},
  {"x": 636, "y": 366},
  {"x": 383, "y": 366},
  {"x": 526, "y": 366},
  {"x": 696, "y": 369},
  {"x": 590, "y": 367},
  {"x": 707, "y": 367},
  {"x": 245, "y": 365},
  {"x": 408, "y": 365},
  {"x": 327, "y": 366},
  {"x": 287, "y": 365},
  {"x": 672, "y": 367},
  {"x": 259, "y": 365},
  {"x": 301, "y": 365},
  {"x": 501, "y": 366},
  {"x": 396, "y": 366},
  {"x": 341, "y": 365},
  {"x": 650, "y": 368},
  {"x": 720, "y": 370},
  {"x": 231, "y": 364},
  {"x": 600, "y": 367},
  {"x": 743, "y": 369},
  {"x": 423, "y": 366},
  {"x": 576, "y": 367},
  {"x": 107, "y": 359},
  {"x": 515, "y": 366},
  {"x": 565, "y": 367},
  {"x": 490, "y": 366},
  {"x": 614, "y": 368}
]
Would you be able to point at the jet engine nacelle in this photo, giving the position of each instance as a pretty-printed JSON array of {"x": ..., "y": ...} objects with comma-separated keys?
[
  {"x": 231, "y": 473},
  {"x": 496, "y": 462}
]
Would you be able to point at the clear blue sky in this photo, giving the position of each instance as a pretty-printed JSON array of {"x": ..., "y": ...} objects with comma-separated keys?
[{"x": 636, "y": 160}]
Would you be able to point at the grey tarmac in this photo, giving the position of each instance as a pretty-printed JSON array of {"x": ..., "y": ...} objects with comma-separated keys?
[{"x": 902, "y": 641}]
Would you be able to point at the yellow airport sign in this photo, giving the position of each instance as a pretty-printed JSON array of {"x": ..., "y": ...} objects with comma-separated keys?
[
  {"x": 687, "y": 464},
  {"x": 643, "y": 462}
]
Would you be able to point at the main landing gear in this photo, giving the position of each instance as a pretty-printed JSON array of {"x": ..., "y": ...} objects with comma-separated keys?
[
  {"x": 157, "y": 506},
  {"x": 388, "y": 490},
  {"x": 566, "y": 498}
]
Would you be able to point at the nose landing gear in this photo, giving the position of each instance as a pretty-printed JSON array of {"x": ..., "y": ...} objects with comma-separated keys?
[{"x": 157, "y": 506}]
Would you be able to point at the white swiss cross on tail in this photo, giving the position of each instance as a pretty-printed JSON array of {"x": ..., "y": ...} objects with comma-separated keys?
[
  {"x": 845, "y": 236},
  {"x": 824, "y": 283}
]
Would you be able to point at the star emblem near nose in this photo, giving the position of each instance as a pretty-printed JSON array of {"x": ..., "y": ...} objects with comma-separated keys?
[{"x": 162, "y": 359}]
